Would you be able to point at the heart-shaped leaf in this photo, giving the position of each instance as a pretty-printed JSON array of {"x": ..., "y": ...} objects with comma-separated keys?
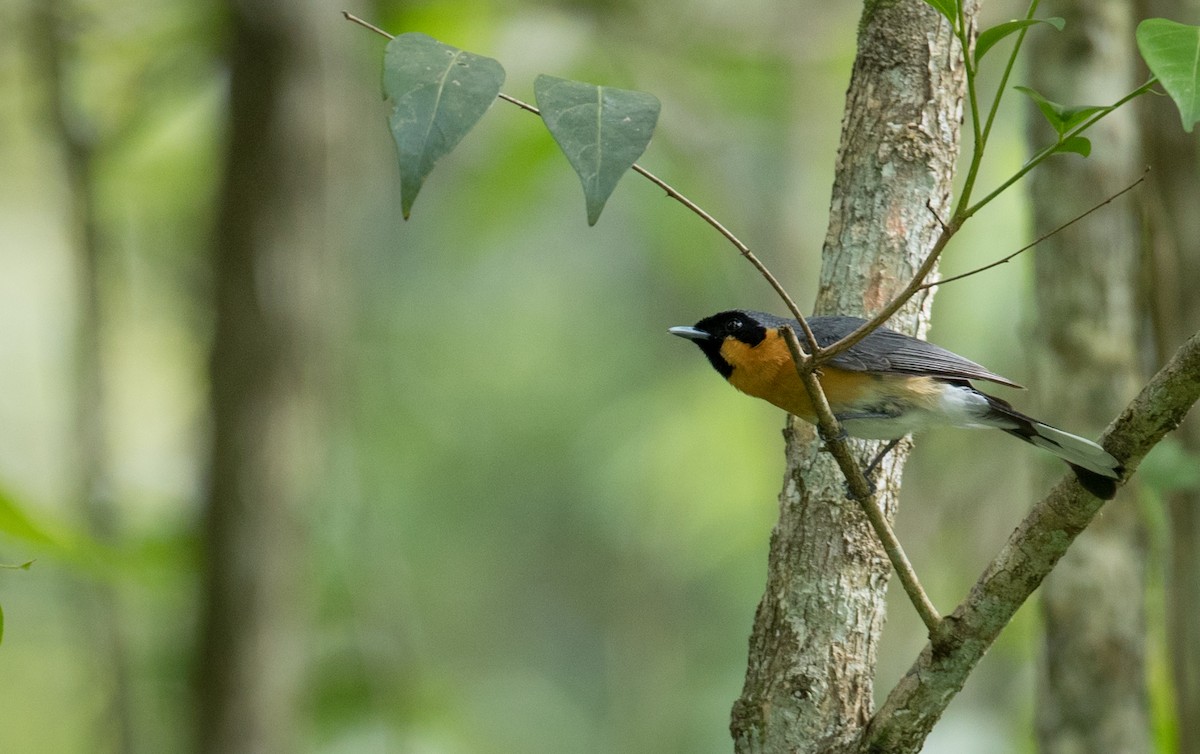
[
  {"x": 1172, "y": 52},
  {"x": 437, "y": 94},
  {"x": 989, "y": 37},
  {"x": 601, "y": 130}
]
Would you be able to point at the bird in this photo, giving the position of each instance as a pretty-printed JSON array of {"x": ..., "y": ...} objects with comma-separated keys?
[{"x": 885, "y": 387}]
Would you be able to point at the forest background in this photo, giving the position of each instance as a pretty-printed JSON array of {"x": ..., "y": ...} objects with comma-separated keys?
[{"x": 537, "y": 523}]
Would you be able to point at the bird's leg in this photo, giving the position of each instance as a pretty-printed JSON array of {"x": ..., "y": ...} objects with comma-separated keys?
[
  {"x": 874, "y": 464},
  {"x": 879, "y": 457}
]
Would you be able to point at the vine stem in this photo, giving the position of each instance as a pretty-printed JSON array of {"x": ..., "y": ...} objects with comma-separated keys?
[{"x": 982, "y": 135}]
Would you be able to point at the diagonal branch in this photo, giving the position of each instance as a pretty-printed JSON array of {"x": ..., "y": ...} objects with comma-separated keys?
[
  {"x": 860, "y": 489},
  {"x": 920, "y": 698},
  {"x": 883, "y": 315}
]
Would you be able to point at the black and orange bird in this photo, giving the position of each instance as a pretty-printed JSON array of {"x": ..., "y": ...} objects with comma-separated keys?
[{"x": 885, "y": 387}]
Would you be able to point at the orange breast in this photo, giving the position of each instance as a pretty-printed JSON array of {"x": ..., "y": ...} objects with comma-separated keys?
[{"x": 766, "y": 371}]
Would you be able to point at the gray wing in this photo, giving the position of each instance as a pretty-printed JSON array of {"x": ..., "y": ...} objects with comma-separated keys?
[{"x": 889, "y": 351}]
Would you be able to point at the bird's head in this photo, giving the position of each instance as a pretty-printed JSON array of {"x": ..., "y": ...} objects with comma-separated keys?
[{"x": 729, "y": 338}]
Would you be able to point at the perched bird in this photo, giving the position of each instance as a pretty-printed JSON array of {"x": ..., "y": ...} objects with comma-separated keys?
[{"x": 885, "y": 387}]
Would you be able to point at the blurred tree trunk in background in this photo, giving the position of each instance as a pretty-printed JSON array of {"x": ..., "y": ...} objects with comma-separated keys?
[
  {"x": 1173, "y": 223},
  {"x": 266, "y": 363},
  {"x": 88, "y": 458},
  {"x": 813, "y": 650},
  {"x": 1092, "y": 695}
]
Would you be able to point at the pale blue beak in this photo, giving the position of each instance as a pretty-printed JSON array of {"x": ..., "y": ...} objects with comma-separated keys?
[{"x": 691, "y": 333}]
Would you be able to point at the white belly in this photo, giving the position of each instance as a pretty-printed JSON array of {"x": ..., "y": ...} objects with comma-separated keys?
[{"x": 956, "y": 406}]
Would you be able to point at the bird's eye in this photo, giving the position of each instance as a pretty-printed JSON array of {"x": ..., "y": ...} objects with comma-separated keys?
[{"x": 734, "y": 325}]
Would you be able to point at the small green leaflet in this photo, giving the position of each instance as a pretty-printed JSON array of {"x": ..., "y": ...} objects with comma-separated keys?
[
  {"x": 437, "y": 94},
  {"x": 1080, "y": 145},
  {"x": 1172, "y": 52},
  {"x": 1061, "y": 117},
  {"x": 989, "y": 37},
  {"x": 601, "y": 130}
]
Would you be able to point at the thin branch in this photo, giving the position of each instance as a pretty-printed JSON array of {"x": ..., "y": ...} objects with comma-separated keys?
[
  {"x": 893, "y": 306},
  {"x": 933, "y": 211},
  {"x": 1045, "y": 152},
  {"x": 742, "y": 248},
  {"x": 981, "y": 137},
  {"x": 919, "y": 699},
  {"x": 835, "y": 441},
  {"x": 1002, "y": 86},
  {"x": 1037, "y": 240},
  {"x": 948, "y": 231},
  {"x": 365, "y": 24},
  {"x": 519, "y": 103}
]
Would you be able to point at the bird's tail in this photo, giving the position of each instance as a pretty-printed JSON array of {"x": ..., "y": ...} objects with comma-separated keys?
[{"x": 1097, "y": 470}]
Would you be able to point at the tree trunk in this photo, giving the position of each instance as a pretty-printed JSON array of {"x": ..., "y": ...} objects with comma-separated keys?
[
  {"x": 88, "y": 459},
  {"x": 1091, "y": 688},
  {"x": 266, "y": 356},
  {"x": 1174, "y": 271},
  {"x": 813, "y": 649}
]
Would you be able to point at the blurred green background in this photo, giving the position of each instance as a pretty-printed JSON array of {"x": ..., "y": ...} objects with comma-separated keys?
[{"x": 543, "y": 523}]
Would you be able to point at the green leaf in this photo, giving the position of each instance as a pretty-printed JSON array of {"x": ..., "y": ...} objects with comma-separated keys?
[
  {"x": 66, "y": 543},
  {"x": 1051, "y": 110},
  {"x": 1077, "y": 144},
  {"x": 1172, "y": 52},
  {"x": 989, "y": 37},
  {"x": 1061, "y": 117},
  {"x": 948, "y": 8},
  {"x": 21, "y": 567},
  {"x": 437, "y": 94},
  {"x": 17, "y": 523},
  {"x": 601, "y": 130}
]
